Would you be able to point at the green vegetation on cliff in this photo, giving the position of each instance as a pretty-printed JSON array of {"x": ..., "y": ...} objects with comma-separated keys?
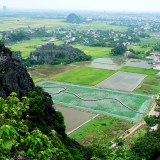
[{"x": 25, "y": 134}]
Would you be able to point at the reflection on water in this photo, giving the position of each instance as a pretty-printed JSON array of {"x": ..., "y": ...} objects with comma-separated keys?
[
  {"x": 140, "y": 64},
  {"x": 117, "y": 62}
]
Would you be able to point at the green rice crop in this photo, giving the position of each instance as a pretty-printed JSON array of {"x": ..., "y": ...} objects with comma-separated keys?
[
  {"x": 26, "y": 46},
  {"x": 95, "y": 52},
  {"x": 111, "y": 107},
  {"x": 84, "y": 75},
  {"x": 35, "y": 80},
  {"x": 139, "y": 70}
]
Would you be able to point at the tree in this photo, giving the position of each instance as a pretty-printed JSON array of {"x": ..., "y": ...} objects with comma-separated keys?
[
  {"x": 18, "y": 142},
  {"x": 118, "y": 50},
  {"x": 150, "y": 120},
  {"x": 147, "y": 147}
]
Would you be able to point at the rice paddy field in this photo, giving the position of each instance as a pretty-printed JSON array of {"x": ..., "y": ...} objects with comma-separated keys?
[
  {"x": 101, "y": 130},
  {"x": 26, "y": 46},
  {"x": 150, "y": 72},
  {"x": 139, "y": 48},
  {"x": 10, "y": 23},
  {"x": 123, "y": 81},
  {"x": 103, "y": 25},
  {"x": 18, "y": 22},
  {"x": 150, "y": 85},
  {"x": 48, "y": 71},
  {"x": 95, "y": 52},
  {"x": 149, "y": 41},
  {"x": 86, "y": 98},
  {"x": 35, "y": 80},
  {"x": 84, "y": 75}
]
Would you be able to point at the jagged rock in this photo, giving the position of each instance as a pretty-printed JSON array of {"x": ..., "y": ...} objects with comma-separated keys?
[
  {"x": 13, "y": 77},
  {"x": 52, "y": 54},
  {"x": 17, "y": 55}
]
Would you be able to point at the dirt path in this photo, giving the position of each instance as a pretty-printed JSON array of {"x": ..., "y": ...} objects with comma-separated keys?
[
  {"x": 131, "y": 130},
  {"x": 152, "y": 111},
  {"x": 137, "y": 125}
]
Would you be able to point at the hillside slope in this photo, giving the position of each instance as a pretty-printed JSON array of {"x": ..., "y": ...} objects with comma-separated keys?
[{"x": 15, "y": 78}]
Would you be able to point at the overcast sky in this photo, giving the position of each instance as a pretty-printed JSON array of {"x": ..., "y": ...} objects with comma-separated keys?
[{"x": 108, "y": 5}]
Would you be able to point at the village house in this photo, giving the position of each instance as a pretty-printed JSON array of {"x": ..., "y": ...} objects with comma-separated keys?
[
  {"x": 155, "y": 57},
  {"x": 127, "y": 53}
]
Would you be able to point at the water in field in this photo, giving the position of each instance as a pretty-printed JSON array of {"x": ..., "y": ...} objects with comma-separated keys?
[
  {"x": 140, "y": 64},
  {"x": 117, "y": 62},
  {"x": 106, "y": 63}
]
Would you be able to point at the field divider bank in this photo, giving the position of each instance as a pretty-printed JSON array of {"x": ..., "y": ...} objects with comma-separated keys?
[{"x": 64, "y": 90}]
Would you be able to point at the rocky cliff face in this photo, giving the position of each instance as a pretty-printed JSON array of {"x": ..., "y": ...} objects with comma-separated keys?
[
  {"x": 52, "y": 54},
  {"x": 13, "y": 77},
  {"x": 17, "y": 55}
]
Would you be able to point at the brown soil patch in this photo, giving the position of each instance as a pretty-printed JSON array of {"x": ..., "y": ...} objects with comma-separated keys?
[
  {"x": 82, "y": 63},
  {"x": 47, "y": 71}
]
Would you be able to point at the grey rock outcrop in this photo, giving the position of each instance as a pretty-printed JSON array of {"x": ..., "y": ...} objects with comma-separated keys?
[
  {"x": 17, "y": 55},
  {"x": 13, "y": 77},
  {"x": 49, "y": 53}
]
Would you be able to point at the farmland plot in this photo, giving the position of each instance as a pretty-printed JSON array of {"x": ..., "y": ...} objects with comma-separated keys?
[
  {"x": 94, "y": 99},
  {"x": 123, "y": 81}
]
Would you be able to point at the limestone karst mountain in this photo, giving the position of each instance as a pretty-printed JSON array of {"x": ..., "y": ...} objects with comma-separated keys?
[{"x": 73, "y": 18}]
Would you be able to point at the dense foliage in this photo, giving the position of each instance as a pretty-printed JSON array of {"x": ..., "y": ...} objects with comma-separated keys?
[
  {"x": 118, "y": 50},
  {"x": 12, "y": 37},
  {"x": 16, "y": 36},
  {"x": 148, "y": 146},
  {"x": 156, "y": 47},
  {"x": 24, "y": 134}
]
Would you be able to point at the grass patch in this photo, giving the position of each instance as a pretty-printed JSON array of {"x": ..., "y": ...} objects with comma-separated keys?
[
  {"x": 130, "y": 140},
  {"x": 149, "y": 41},
  {"x": 84, "y": 75},
  {"x": 27, "y": 46},
  {"x": 95, "y": 52},
  {"x": 35, "y": 80},
  {"x": 139, "y": 48},
  {"x": 151, "y": 72},
  {"x": 150, "y": 85},
  {"x": 100, "y": 130},
  {"x": 58, "y": 43}
]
